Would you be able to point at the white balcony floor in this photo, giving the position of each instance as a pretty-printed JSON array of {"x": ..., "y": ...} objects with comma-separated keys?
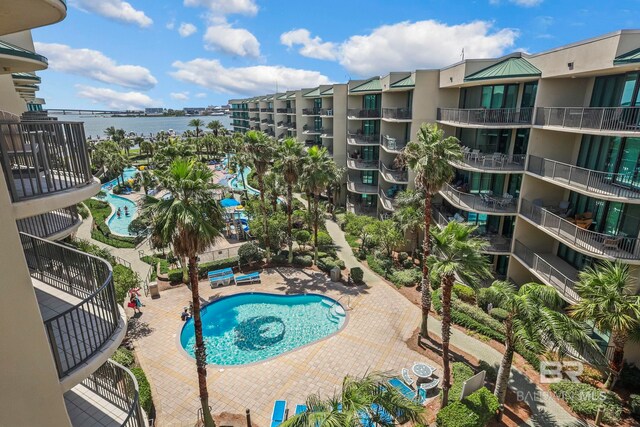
[{"x": 87, "y": 409}]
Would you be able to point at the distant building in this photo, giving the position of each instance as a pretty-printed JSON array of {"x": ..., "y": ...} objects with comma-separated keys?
[
  {"x": 153, "y": 111},
  {"x": 194, "y": 111}
]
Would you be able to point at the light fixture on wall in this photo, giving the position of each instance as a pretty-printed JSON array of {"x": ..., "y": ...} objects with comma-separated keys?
[
  {"x": 570, "y": 65},
  {"x": 451, "y": 79}
]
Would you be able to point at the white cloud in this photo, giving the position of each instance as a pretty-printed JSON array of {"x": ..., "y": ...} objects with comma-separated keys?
[
  {"x": 180, "y": 96},
  {"x": 311, "y": 47},
  {"x": 523, "y": 3},
  {"x": 422, "y": 44},
  {"x": 117, "y": 100},
  {"x": 234, "y": 41},
  {"x": 226, "y": 7},
  {"x": 201, "y": 95},
  {"x": 171, "y": 24},
  {"x": 117, "y": 10},
  {"x": 186, "y": 29},
  {"x": 210, "y": 74},
  {"x": 95, "y": 65}
]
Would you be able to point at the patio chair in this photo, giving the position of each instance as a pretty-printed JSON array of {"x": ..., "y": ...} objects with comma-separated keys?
[
  {"x": 405, "y": 390},
  {"x": 300, "y": 409},
  {"x": 221, "y": 280},
  {"x": 279, "y": 412},
  {"x": 612, "y": 242},
  {"x": 248, "y": 278},
  {"x": 475, "y": 155},
  {"x": 406, "y": 377},
  {"x": 221, "y": 272},
  {"x": 429, "y": 386},
  {"x": 584, "y": 220}
]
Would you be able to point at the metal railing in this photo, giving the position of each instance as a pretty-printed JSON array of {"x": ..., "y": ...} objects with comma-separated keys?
[
  {"x": 361, "y": 164},
  {"x": 327, "y": 133},
  {"x": 311, "y": 111},
  {"x": 291, "y": 125},
  {"x": 326, "y": 112},
  {"x": 116, "y": 384},
  {"x": 603, "y": 183},
  {"x": 389, "y": 203},
  {"x": 393, "y": 144},
  {"x": 360, "y": 209},
  {"x": 79, "y": 332},
  {"x": 495, "y": 242},
  {"x": 49, "y": 223},
  {"x": 548, "y": 272},
  {"x": 618, "y": 247},
  {"x": 486, "y": 116},
  {"x": 359, "y": 113},
  {"x": 266, "y": 110},
  {"x": 254, "y": 109},
  {"x": 396, "y": 113},
  {"x": 358, "y": 138},
  {"x": 495, "y": 161},
  {"x": 308, "y": 130},
  {"x": 615, "y": 119},
  {"x": 393, "y": 175},
  {"x": 474, "y": 202},
  {"x": 357, "y": 186},
  {"x": 43, "y": 157}
]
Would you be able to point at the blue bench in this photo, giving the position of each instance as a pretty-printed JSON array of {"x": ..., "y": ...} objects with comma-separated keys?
[
  {"x": 279, "y": 412},
  {"x": 248, "y": 278},
  {"x": 406, "y": 391},
  {"x": 222, "y": 272}
]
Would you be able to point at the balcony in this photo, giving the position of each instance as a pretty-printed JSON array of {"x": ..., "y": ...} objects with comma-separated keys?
[
  {"x": 290, "y": 111},
  {"x": 483, "y": 203},
  {"x": 282, "y": 110},
  {"x": 549, "y": 268},
  {"x": 617, "y": 121},
  {"x": 326, "y": 133},
  {"x": 484, "y": 117},
  {"x": 311, "y": 111},
  {"x": 41, "y": 158},
  {"x": 326, "y": 112},
  {"x": 396, "y": 114},
  {"x": 476, "y": 161},
  {"x": 254, "y": 110},
  {"x": 20, "y": 15},
  {"x": 599, "y": 245},
  {"x": 307, "y": 130},
  {"x": 360, "y": 208},
  {"x": 266, "y": 110},
  {"x": 77, "y": 300},
  {"x": 359, "y": 164},
  {"x": 388, "y": 203},
  {"x": 394, "y": 176},
  {"x": 280, "y": 124},
  {"x": 108, "y": 397},
  {"x": 54, "y": 225},
  {"x": 392, "y": 145},
  {"x": 291, "y": 125},
  {"x": 360, "y": 139},
  {"x": 362, "y": 114},
  {"x": 605, "y": 185},
  {"x": 355, "y": 185}
]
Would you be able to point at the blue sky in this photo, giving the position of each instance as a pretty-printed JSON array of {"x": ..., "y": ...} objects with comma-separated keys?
[{"x": 174, "y": 53}]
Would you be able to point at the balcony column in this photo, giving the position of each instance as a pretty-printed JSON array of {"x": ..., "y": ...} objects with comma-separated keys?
[{"x": 25, "y": 346}]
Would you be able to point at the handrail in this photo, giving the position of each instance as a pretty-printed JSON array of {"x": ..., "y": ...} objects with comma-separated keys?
[
  {"x": 361, "y": 113},
  {"x": 473, "y": 202},
  {"x": 362, "y": 164},
  {"x": 496, "y": 242},
  {"x": 311, "y": 111},
  {"x": 486, "y": 116},
  {"x": 362, "y": 139},
  {"x": 602, "y": 183},
  {"x": 397, "y": 176},
  {"x": 79, "y": 332},
  {"x": 393, "y": 144},
  {"x": 396, "y": 113},
  {"x": 613, "y": 119},
  {"x": 506, "y": 162},
  {"x": 49, "y": 223},
  {"x": 618, "y": 247},
  {"x": 360, "y": 187}
]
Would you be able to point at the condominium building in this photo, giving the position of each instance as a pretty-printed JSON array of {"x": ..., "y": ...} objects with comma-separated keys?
[
  {"x": 551, "y": 142},
  {"x": 59, "y": 316}
]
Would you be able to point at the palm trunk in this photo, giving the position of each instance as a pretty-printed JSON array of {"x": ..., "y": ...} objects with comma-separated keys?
[
  {"x": 315, "y": 228},
  {"x": 244, "y": 184},
  {"x": 265, "y": 222},
  {"x": 310, "y": 220},
  {"x": 201, "y": 352},
  {"x": 447, "y": 285},
  {"x": 426, "y": 282},
  {"x": 504, "y": 372},
  {"x": 289, "y": 227},
  {"x": 617, "y": 359}
]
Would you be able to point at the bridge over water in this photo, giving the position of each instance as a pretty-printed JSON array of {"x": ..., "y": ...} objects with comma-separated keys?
[{"x": 80, "y": 112}]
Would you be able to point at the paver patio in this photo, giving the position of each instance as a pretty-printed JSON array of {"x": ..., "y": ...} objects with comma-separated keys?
[{"x": 379, "y": 322}]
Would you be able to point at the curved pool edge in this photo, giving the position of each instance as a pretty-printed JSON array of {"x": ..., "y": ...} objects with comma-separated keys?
[
  {"x": 268, "y": 359},
  {"x": 113, "y": 212}
]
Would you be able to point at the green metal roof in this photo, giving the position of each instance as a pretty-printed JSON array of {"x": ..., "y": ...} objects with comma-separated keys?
[
  {"x": 328, "y": 91},
  {"x": 283, "y": 96},
  {"x": 628, "y": 58},
  {"x": 13, "y": 50},
  {"x": 293, "y": 95},
  {"x": 25, "y": 76},
  {"x": 509, "y": 68},
  {"x": 406, "y": 82},
  {"x": 313, "y": 94},
  {"x": 372, "y": 85}
]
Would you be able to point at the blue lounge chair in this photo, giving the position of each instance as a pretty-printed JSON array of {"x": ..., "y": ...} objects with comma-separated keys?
[
  {"x": 279, "y": 410},
  {"x": 300, "y": 409},
  {"x": 222, "y": 272},
  {"x": 221, "y": 280},
  {"x": 248, "y": 278},
  {"x": 381, "y": 415},
  {"x": 405, "y": 390}
]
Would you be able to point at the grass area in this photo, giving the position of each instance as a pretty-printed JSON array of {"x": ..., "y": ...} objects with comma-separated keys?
[
  {"x": 101, "y": 232},
  {"x": 153, "y": 261}
]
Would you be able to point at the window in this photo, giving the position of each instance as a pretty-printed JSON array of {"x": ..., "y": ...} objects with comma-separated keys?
[
  {"x": 369, "y": 153},
  {"x": 317, "y": 123},
  {"x": 487, "y": 140},
  {"x": 317, "y": 104},
  {"x": 499, "y": 96},
  {"x": 371, "y": 102},
  {"x": 529, "y": 95},
  {"x": 370, "y": 127},
  {"x": 616, "y": 91},
  {"x": 521, "y": 142},
  {"x": 369, "y": 177}
]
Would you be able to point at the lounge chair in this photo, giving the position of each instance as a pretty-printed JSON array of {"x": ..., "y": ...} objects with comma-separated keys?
[
  {"x": 248, "y": 278},
  {"x": 222, "y": 272},
  {"x": 405, "y": 390},
  {"x": 221, "y": 280},
  {"x": 279, "y": 412},
  {"x": 406, "y": 377},
  {"x": 300, "y": 409}
]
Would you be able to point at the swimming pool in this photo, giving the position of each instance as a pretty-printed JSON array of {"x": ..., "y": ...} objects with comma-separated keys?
[
  {"x": 120, "y": 225},
  {"x": 252, "y": 327}
]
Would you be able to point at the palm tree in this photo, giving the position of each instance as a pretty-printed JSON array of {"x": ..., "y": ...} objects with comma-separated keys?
[
  {"x": 534, "y": 321},
  {"x": 316, "y": 175},
  {"x": 240, "y": 160},
  {"x": 262, "y": 150},
  {"x": 147, "y": 146},
  {"x": 359, "y": 400},
  {"x": 290, "y": 159},
  {"x": 191, "y": 221},
  {"x": 429, "y": 157},
  {"x": 456, "y": 252},
  {"x": 335, "y": 185},
  {"x": 216, "y": 127},
  {"x": 146, "y": 180},
  {"x": 273, "y": 187},
  {"x": 607, "y": 299},
  {"x": 196, "y": 123},
  {"x": 409, "y": 214}
]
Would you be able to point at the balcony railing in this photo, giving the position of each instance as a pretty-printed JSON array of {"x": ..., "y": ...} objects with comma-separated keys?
[
  {"x": 291, "y": 125},
  {"x": 596, "y": 182},
  {"x": 327, "y": 112},
  {"x": 79, "y": 332},
  {"x": 486, "y": 116},
  {"x": 40, "y": 158},
  {"x": 357, "y": 113},
  {"x": 550, "y": 274},
  {"x": 394, "y": 176},
  {"x": 253, "y": 110},
  {"x": 611, "y": 119},
  {"x": 479, "y": 203},
  {"x": 389, "y": 203},
  {"x": 393, "y": 144},
  {"x": 50, "y": 223},
  {"x": 356, "y": 186},
  {"x": 354, "y": 163},
  {"x": 326, "y": 133},
  {"x": 396, "y": 113},
  {"x": 266, "y": 110},
  {"x": 360, "y": 208},
  {"x": 360, "y": 139},
  {"x": 597, "y": 244},
  {"x": 497, "y": 161},
  {"x": 311, "y": 111},
  {"x": 308, "y": 130}
]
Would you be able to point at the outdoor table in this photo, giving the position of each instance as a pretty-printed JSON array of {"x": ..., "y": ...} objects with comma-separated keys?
[{"x": 422, "y": 370}]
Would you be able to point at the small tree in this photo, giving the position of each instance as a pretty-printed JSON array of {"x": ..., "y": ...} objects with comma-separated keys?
[
  {"x": 360, "y": 226},
  {"x": 387, "y": 235},
  {"x": 249, "y": 253},
  {"x": 302, "y": 238}
]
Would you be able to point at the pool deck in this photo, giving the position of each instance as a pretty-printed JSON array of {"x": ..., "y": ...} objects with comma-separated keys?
[{"x": 380, "y": 320}]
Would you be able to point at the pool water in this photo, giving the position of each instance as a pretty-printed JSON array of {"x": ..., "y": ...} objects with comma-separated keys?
[
  {"x": 121, "y": 225},
  {"x": 251, "y": 327},
  {"x": 236, "y": 183}
]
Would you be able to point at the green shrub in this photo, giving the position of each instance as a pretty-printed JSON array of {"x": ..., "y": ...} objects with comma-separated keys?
[
  {"x": 302, "y": 237},
  {"x": 154, "y": 260},
  {"x": 175, "y": 275},
  {"x": 303, "y": 261},
  {"x": 249, "y": 253},
  {"x": 340, "y": 264},
  {"x": 144, "y": 389},
  {"x": 402, "y": 257},
  {"x": 352, "y": 240},
  {"x": 408, "y": 263},
  {"x": 634, "y": 404},
  {"x": 491, "y": 372},
  {"x": 123, "y": 357},
  {"x": 465, "y": 293},
  {"x": 124, "y": 279},
  {"x": 483, "y": 403},
  {"x": 82, "y": 210},
  {"x": 357, "y": 274},
  {"x": 461, "y": 372},
  {"x": 499, "y": 314},
  {"x": 324, "y": 239},
  {"x": 475, "y": 411},
  {"x": 482, "y": 298},
  {"x": 326, "y": 264},
  {"x": 585, "y": 399},
  {"x": 410, "y": 277}
]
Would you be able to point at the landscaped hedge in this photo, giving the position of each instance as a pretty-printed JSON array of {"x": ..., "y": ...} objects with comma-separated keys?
[
  {"x": 476, "y": 410},
  {"x": 100, "y": 211},
  {"x": 124, "y": 279},
  {"x": 124, "y": 357},
  {"x": 460, "y": 373},
  {"x": 144, "y": 389},
  {"x": 409, "y": 277},
  {"x": 302, "y": 261},
  {"x": 585, "y": 399},
  {"x": 465, "y": 293},
  {"x": 175, "y": 275},
  {"x": 153, "y": 261},
  {"x": 357, "y": 274}
]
